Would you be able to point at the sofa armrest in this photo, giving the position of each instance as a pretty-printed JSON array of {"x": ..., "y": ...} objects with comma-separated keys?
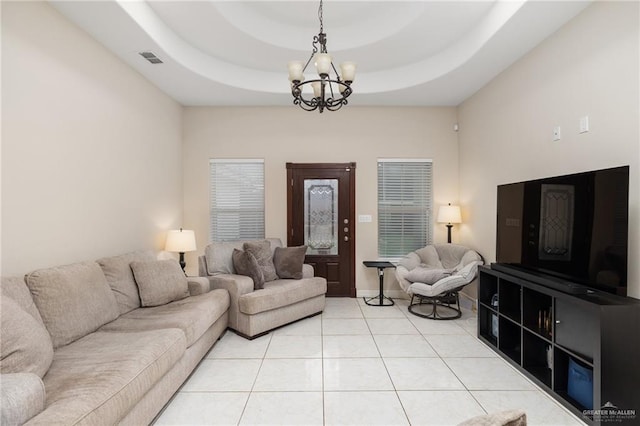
[
  {"x": 237, "y": 286},
  {"x": 198, "y": 285},
  {"x": 22, "y": 396},
  {"x": 307, "y": 271},
  {"x": 202, "y": 266}
]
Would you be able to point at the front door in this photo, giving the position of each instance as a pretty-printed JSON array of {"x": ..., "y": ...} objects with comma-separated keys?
[{"x": 320, "y": 214}]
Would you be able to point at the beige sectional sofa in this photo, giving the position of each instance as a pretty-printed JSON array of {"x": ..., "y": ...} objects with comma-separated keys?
[
  {"x": 79, "y": 346},
  {"x": 253, "y": 313}
]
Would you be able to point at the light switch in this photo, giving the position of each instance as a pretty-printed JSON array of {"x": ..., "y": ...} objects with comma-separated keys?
[
  {"x": 584, "y": 124},
  {"x": 556, "y": 133},
  {"x": 364, "y": 218}
]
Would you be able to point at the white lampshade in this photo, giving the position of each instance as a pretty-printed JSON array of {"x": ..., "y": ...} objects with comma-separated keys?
[
  {"x": 181, "y": 241},
  {"x": 323, "y": 63},
  {"x": 348, "y": 70},
  {"x": 295, "y": 71},
  {"x": 449, "y": 214},
  {"x": 316, "y": 89}
]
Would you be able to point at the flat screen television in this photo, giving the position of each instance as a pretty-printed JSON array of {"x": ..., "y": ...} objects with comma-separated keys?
[{"x": 570, "y": 229}]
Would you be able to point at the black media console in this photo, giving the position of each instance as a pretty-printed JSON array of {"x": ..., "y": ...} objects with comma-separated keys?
[{"x": 551, "y": 335}]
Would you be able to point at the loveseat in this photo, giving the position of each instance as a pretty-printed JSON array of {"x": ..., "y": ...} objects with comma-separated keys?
[
  {"x": 256, "y": 312},
  {"x": 105, "y": 342}
]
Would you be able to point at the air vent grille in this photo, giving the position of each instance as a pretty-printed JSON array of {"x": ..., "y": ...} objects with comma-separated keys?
[{"x": 151, "y": 57}]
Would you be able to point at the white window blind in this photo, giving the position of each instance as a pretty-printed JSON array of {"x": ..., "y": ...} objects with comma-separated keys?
[
  {"x": 404, "y": 206},
  {"x": 236, "y": 200}
]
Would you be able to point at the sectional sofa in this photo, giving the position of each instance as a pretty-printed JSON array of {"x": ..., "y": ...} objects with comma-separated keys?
[{"x": 105, "y": 342}]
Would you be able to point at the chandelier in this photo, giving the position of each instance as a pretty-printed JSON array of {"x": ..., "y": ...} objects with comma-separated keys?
[{"x": 329, "y": 91}]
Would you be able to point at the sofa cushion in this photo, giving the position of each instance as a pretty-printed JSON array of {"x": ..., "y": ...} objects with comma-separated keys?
[
  {"x": 289, "y": 261},
  {"x": 74, "y": 300},
  {"x": 246, "y": 264},
  {"x": 193, "y": 315},
  {"x": 218, "y": 255},
  {"x": 280, "y": 293},
  {"x": 26, "y": 345},
  {"x": 117, "y": 270},
  {"x": 160, "y": 281},
  {"x": 16, "y": 288},
  {"x": 22, "y": 396},
  {"x": 261, "y": 250},
  {"x": 427, "y": 275},
  {"x": 99, "y": 378}
]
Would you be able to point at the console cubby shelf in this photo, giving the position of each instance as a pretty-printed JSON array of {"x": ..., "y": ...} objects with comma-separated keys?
[{"x": 550, "y": 335}]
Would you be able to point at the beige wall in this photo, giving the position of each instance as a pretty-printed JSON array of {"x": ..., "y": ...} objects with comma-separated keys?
[
  {"x": 288, "y": 134},
  {"x": 589, "y": 67},
  {"x": 91, "y": 151}
]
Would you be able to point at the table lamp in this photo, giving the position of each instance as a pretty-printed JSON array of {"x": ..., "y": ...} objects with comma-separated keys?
[
  {"x": 181, "y": 241},
  {"x": 449, "y": 214}
]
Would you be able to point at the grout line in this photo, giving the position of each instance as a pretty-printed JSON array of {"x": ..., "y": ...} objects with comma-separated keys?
[
  {"x": 394, "y": 389},
  {"x": 255, "y": 379}
]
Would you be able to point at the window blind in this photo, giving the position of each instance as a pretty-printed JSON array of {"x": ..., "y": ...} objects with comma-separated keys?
[
  {"x": 405, "y": 201},
  {"x": 236, "y": 200}
]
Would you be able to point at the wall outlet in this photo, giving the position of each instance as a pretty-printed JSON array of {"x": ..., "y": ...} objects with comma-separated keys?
[{"x": 556, "y": 133}]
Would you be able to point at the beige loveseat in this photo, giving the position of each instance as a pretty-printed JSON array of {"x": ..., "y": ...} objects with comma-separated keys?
[
  {"x": 253, "y": 313},
  {"x": 79, "y": 348}
]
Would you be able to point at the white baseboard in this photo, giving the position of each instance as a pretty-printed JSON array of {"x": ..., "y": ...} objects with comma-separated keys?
[{"x": 468, "y": 302}]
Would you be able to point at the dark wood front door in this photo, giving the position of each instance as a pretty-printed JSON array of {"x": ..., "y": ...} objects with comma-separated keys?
[{"x": 320, "y": 214}]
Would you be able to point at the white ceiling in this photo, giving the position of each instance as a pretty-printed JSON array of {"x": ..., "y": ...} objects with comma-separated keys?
[{"x": 414, "y": 53}]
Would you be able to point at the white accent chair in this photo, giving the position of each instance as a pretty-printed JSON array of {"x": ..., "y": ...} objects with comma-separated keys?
[{"x": 433, "y": 276}]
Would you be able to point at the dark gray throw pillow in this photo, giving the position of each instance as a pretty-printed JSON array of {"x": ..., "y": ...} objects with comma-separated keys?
[
  {"x": 261, "y": 250},
  {"x": 288, "y": 261},
  {"x": 246, "y": 264}
]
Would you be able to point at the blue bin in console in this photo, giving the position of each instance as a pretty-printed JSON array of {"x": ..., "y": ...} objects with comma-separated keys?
[{"x": 580, "y": 384}]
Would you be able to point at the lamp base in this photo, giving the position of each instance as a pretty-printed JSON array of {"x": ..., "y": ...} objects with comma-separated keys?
[
  {"x": 449, "y": 226},
  {"x": 182, "y": 262}
]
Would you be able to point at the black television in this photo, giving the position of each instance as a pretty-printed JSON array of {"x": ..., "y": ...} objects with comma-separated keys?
[{"x": 569, "y": 231}]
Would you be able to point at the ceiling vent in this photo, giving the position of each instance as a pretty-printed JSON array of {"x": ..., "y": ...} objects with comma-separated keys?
[{"x": 151, "y": 57}]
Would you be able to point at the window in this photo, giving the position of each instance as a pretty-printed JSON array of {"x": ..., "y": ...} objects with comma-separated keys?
[
  {"x": 404, "y": 206},
  {"x": 236, "y": 200}
]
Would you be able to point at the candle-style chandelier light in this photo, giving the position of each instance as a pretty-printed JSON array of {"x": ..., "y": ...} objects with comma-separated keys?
[{"x": 330, "y": 91}]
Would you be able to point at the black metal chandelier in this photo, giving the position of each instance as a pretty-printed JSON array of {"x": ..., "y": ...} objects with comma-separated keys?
[{"x": 330, "y": 91}]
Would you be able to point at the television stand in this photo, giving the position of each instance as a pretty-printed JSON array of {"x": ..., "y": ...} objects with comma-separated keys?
[
  {"x": 539, "y": 278},
  {"x": 559, "y": 340}
]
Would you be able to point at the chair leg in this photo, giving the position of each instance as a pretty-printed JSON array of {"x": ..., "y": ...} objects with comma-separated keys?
[{"x": 449, "y": 302}]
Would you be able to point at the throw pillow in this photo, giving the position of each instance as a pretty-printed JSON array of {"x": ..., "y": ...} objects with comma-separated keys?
[
  {"x": 288, "y": 261},
  {"x": 261, "y": 250},
  {"x": 427, "y": 275},
  {"x": 246, "y": 264},
  {"x": 26, "y": 345},
  {"x": 160, "y": 281},
  {"x": 118, "y": 272}
]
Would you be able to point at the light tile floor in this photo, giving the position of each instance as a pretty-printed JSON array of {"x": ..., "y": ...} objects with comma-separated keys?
[{"x": 358, "y": 365}]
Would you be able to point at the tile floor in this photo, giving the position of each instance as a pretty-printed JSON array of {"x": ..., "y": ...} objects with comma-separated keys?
[{"x": 358, "y": 365}]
